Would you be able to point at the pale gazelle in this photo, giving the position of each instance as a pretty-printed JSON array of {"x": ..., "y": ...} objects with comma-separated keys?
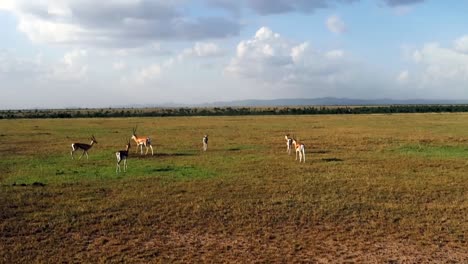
[
  {"x": 142, "y": 141},
  {"x": 288, "y": 144},
  {"x": 122, "y": 155},
  {"x": 205, "y": 142},
  {"x": 300, "y": 150},
  {"x": 83, "y": 146}
]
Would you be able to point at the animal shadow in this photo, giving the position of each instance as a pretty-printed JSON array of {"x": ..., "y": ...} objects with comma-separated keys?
[{"x": 332, "y": 160}]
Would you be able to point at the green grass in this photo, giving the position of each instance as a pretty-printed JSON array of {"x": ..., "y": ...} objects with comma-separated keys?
[
  {"x": 371, "y": 182},
  {"x": 442, "y": 152}
]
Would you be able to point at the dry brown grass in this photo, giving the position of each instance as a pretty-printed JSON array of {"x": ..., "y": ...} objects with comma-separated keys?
[{"x": 375, "y": 188}]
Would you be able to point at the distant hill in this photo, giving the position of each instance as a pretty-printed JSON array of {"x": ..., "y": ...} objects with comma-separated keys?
[{"x": 327, "y": 101}]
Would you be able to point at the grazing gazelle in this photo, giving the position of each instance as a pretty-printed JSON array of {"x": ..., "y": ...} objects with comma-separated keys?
[
  {"x": 83, "y": 146},
  {"x": 122, "y": 155},
  {"x": 288, "y": 144},
  {"x": 205, "y": 142},
  {"x": 142, "y": 141},
  {"x": 300, "y": 150}
]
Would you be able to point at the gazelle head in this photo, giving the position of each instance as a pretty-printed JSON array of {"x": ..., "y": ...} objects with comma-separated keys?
[
  {"x": 134, "y": 135},
  {"x": 93, "y": 139}
]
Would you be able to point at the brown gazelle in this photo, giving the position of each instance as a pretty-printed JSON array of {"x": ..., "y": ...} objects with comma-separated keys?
[
  {"x": 83, "y": 146},
  {"x": 289, "y": 141},
  {"x": 142, "y": 141},
  {"x": 205, "y": 142},
  {"x": 122, "y": 155},
  {"x": 300, "y": 150}
]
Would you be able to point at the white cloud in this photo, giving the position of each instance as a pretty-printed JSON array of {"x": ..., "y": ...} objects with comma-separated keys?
[
  {"x": 461, "y": 44},
  {"x": 203, "y": 50},
  {"x": 120, "y": 65},
  {"x": 152, "y": 49},
  {"x": 148, "y": 74},
  {"x": 72, "y": 67},
  {"x": 336, "y": 25},
  {"x": 7, "y": 5},
  {"x": 297, "y": 52},
  {"x": 274, "y": 60},
  {"x": 403, "y": 76},
  {"x": 334, "y": 54},
  {"x": 121, "y": 23},
  {"x": 437, "y": 72},
  {"x": 441, "y": 64}
]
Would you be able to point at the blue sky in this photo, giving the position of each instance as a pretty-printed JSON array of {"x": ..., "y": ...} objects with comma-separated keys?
[{"x": 83, "y": 53}]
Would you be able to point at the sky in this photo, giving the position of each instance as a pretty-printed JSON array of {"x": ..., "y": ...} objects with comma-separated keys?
[{"x": 86, "y": 53}]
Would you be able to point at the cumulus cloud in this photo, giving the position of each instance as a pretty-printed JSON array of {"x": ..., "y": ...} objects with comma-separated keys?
[
  {"x": 437, "y": 71},
  {"x": 335, "y": 24},
  {"x": 202, "y": 50},
  {"x": 461, "y": 44},
  {"x": 441, "y": 64},
  {"x": 403, "y": 76},
  {"x": 143, "y": 76},
  {"x": 72, "y": 67},
  {"x": 270, "y": 58},
  {"x": 123, "y": 23}
]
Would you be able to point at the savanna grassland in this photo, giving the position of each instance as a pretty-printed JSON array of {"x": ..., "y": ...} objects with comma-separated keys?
[{"x": 374, "y": 188}]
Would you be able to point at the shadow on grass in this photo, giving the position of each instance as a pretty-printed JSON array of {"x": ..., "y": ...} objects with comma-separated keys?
[
  {"x": 239, "y": 148},
  {"x": 164, "y": 169},
  {"x": 34, "y": 184},
  {"x": 320, "y": 151},
  {"x": 233, "y": 149},
  {"x": 332, "y": 160}
]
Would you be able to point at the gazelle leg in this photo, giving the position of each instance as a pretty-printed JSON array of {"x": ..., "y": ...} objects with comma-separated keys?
[
  {"x": 87, "y": 157},
  {"x": 141, "y": 147},
  {"x": 125, "y": 165},
  {"x": 82, "y": 154},
  {"x": 151, "y": 147}
]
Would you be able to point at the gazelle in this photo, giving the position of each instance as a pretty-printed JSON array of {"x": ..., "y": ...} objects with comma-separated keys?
[
  {"x": 288, "y": 144},
  {"x": 205, "y": 142},
  {"x": 122, "y": 155},
  {"x": 142, "y": 141},
  {"x": 83, "y": 146},
  {"x": 300, "y": 150}
]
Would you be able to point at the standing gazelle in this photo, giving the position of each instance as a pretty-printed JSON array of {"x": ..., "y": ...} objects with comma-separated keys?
[
  {"x": 83, "y": 146},
  {"x": 288, "y": 144},
  {"x": 205, "y": 142},
  {"x": 300, "y": 150},
  {"x": 142, "y": 141},
  {"x": 122, "y": 155}
]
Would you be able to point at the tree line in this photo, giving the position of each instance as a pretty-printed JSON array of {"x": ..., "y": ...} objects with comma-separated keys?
[{"x": 228, "y": 111}]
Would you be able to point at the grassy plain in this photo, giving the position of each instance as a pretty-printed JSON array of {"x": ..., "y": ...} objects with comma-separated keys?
[{"x": 375, "y": 188}]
